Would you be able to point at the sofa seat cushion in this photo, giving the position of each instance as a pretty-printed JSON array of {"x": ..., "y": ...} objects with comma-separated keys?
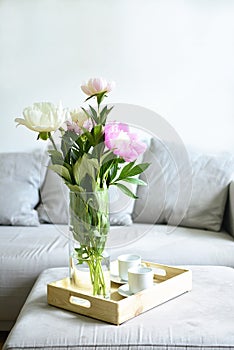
[
  {"x": 24, "y": 253},
  {"x": 173, "y": 245}
]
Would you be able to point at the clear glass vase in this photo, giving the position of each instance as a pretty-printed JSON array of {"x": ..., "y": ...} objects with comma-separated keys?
[{"x": 89, "y": 227}]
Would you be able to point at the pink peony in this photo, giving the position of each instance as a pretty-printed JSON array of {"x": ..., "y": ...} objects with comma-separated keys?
[
  {"x": 122, "y": 142},
  {"x": 75, "y": 127},
  {"x": 96, "y": 86},
  {"x": 88, "y": 124}
]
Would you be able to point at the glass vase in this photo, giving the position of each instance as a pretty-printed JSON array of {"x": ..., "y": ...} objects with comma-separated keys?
[{"x": 89, "y": 227}]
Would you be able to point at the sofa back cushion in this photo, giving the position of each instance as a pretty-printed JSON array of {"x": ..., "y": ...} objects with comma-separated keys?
[
  {"x": 187, "y": 189},
  {"x": 21, "y": 176}
]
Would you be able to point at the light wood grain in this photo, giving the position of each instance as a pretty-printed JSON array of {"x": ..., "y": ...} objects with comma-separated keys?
[{"x": 171, "y": 283}]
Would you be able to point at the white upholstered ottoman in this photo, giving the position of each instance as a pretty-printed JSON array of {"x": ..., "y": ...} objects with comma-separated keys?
[{"x": 200, "y": 319}]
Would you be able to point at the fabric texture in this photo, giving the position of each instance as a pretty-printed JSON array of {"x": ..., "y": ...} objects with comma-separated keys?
[
  {"x": 24, "y": 253},
  {"x": 201, "y": 319},
  {"x": 55, "y": 202},
  {"x": 27, "y": 251},
  {"x": 20, "y": 179},
  {"x": 187, "y": 189}
]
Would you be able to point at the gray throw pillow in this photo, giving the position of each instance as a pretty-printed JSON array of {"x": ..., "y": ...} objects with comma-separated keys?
[
  {"x": 184, "y": 189},
  {"x": 54, "y": 200},
  {"x": 21, "y": 176}
]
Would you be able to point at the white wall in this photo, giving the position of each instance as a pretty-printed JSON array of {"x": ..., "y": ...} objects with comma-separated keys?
[{"x": 172, "y": 56}]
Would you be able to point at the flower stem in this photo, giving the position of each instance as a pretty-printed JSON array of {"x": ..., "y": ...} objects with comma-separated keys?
[
  {"x": 96, "y": 274},
  {"x": 52, "y": 141}
]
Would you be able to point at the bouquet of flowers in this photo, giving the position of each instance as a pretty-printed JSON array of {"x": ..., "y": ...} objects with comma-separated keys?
[{"x": 93, "y": 155}]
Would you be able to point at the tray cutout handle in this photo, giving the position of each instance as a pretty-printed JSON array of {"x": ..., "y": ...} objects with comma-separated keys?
[{"x": 80, "y": 302}]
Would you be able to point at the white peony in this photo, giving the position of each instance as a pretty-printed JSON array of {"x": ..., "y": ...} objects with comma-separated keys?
[
  {"x": 43, "y": 117},
  {"x": 78, "y": 116}
]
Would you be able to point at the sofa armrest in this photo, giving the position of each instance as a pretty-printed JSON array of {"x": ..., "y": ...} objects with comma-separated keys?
[{"x": 229, "y": 212}]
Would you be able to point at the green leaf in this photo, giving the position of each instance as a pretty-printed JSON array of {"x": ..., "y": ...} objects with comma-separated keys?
[
  {"x": 104, "y": 114},
  {"x": 76, "y": 171},
  {"x": 109, "y": 110},
  {"x": 69, "y": 137},
  {"x": 109, "y": 169},
  {"x": 68, "y": 140},
  {"x": 137, "y": 169},
  {"x": 91, "y": 96},
  {"x": 112, "y": 172},
  {"x": 103, "y": 111},
  {"x": 135, "y": 181},
  {"x": 125, "y": 171},
  {"x": 61, "y": 171},
  {"x": 94, "y": 114},
  {"x": 98, "y": 150},
  {"x": 89, "y": 137},
  {"x": 100, "y": 97},
  {"x": 125, "y": 190},
  {"x": 74, "y": 188},
  {"x": 97, "y": 133},
  {"x": 85, "y": 112},
  {"x": 56, "y": 157},
  {"x": 85, "y": 166},
  {"x": 107, "y": 156},
  {"x": 75, "y": 155}
]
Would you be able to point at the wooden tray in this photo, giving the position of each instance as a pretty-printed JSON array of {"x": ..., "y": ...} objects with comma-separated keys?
[{"x": 170, "y": 283}]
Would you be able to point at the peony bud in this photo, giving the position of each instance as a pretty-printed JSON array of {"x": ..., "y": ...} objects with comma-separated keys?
[{"x": 96, "y": 86}]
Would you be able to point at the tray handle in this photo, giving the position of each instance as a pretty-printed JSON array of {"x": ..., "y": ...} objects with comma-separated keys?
[{"x": 80, "y": 302}]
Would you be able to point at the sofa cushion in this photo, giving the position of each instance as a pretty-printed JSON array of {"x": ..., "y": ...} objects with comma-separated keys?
[
  {"x": 188, "y": 190},
  {"x": 24, "y": 253},
  {"x": 55, "y": 202},
  {"x": 20, "y": 179},
  {"x": 172, "y": 245}
]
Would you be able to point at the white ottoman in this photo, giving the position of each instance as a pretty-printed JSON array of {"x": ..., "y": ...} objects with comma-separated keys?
[{"x": 200, "y": 319}]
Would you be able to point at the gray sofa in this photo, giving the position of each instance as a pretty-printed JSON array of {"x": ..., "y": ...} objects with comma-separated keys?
[{"x": 191, "y": 226}]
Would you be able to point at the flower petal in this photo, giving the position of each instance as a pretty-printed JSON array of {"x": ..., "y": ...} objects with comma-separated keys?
[
  {"x": 96, "y": 86},
  {"x": 122, "y": 142},
  {"x": 43, "y": 116}
]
